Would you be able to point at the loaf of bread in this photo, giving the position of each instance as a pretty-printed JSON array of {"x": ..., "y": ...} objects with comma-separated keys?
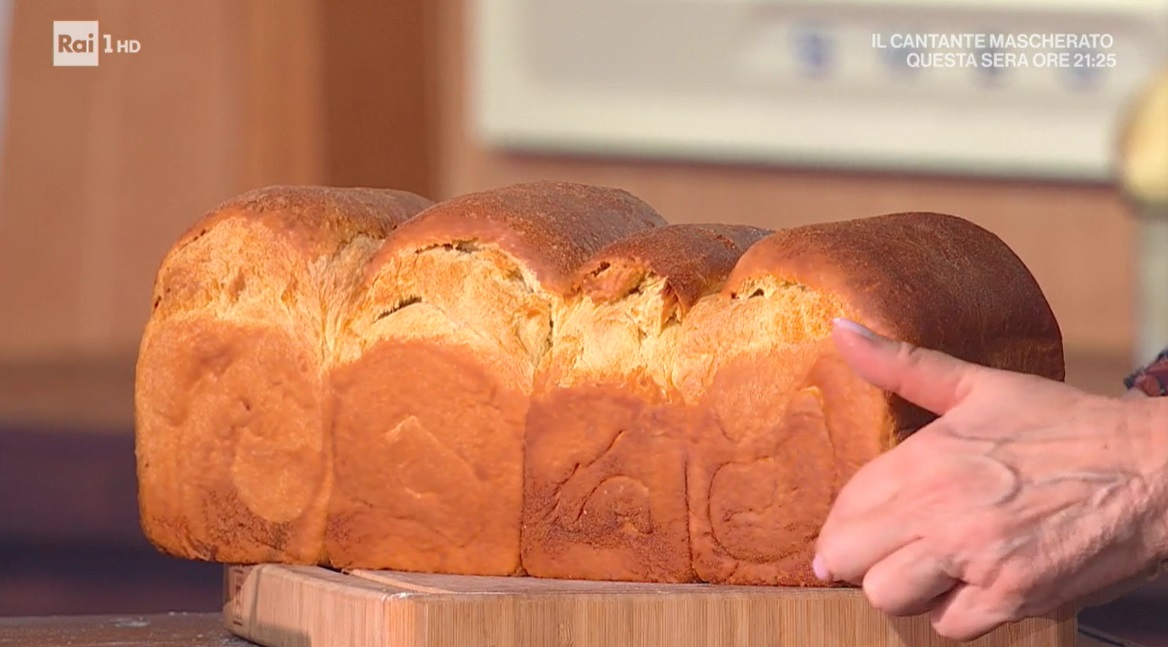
[
  {"x": 543, "y": 379},
  {"x": 233, "y": 461}
]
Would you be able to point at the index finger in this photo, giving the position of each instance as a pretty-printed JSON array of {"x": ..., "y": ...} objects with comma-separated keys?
[{"x": 928, "y": 378}]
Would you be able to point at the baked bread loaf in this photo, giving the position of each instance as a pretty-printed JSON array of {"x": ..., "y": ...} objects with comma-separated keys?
[
  {"x": 436, "y": 367},
  {"x": 545, "y": 378},
  {"x": 779, "y": 423},
  {"x": 233, "y": 460},
  {"x": 605, "y": 494}
]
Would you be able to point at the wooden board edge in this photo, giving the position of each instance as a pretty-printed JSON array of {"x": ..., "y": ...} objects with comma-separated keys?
[
  {"x": 307, "y": 598},
  {"x": 302, "y": 608},
  {"x": 1059, "y": 627},
  {"x": 454, "y": 584}
]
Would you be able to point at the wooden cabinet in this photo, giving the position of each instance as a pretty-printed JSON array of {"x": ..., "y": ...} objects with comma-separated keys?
[{"x": 104, "y": 167}]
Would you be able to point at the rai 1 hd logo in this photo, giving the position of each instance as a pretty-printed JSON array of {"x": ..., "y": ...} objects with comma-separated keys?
[{"x": 80, "y": 43}]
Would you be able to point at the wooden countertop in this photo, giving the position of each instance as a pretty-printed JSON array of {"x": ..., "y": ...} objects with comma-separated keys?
[
  {"x": 206, "y": 630},
  {"x": 169, "y": 630}
]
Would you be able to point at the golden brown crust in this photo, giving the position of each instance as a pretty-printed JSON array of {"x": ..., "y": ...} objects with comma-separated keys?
[
  {"x": 693, "y": 259},
  {"x": 604, "y": 495},
  {"x": 934, "y": 280},
  {"x": 427, "y": 463},
  {"x": 770, "y": 442},
  {"x": 552, "y": 227},
  {"x": 318, "y": 218},
  {"x": 230, "y": 443}
]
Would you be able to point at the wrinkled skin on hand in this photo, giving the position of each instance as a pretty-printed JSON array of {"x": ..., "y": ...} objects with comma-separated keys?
[{"x": 1023, "y": 496}]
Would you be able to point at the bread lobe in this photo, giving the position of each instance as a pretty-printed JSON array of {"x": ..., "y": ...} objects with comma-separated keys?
[
  {"x": 605, "y": 466},
  {"x": 766, "y": 383},
  {"x": 440, "y": 353},
  {"x": 231, "y": 447},
  {"x": 550, "y": 228},
  {"x": 931, "y": 279},
  {"x": 689, "y": 260}
]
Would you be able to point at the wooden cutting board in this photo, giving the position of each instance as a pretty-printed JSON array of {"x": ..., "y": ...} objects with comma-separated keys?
[{"x": 294, "y": 606}]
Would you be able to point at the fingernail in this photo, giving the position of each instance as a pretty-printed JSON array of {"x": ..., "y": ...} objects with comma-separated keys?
[
  {"x": 820, "y": 570},
  {"x": 859, "y": 329}
]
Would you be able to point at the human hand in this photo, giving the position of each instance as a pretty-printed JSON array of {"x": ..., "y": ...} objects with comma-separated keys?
[
  {"x": 1024, "y": 495},
  {"x": 1122, "y": 588}
]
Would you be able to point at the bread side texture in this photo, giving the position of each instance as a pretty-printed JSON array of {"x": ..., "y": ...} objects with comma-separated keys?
[
  {"x": 432, "y": 379},
  {"x": 779, "y": 423},
  {"x": 605, "y": 466},
  {"x": 231, "y": 447}
]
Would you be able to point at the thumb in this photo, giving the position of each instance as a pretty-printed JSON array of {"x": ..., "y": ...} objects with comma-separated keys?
[{"x": 927, "y": 378}]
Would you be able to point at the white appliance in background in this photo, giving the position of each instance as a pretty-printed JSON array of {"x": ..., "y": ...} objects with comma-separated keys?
[{"x": 806, "y": 83}]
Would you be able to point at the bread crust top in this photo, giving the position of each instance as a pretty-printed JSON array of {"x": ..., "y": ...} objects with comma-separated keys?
[
  {"x": 550, "y": 227},
  {"x": 316, "y": 218},
  {"x": 979, "y": 303},
  {"x": 693, "y": 259},
  {"x": 304, "y": 240}
]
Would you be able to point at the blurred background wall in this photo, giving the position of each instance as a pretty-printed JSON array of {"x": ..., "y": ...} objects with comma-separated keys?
[
  {"x": 103, "y": 168},
  {"x": 106, "y": 166}
]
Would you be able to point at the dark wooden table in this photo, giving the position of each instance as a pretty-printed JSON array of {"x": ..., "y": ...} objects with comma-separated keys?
[{"x": 167, "y": 630}]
